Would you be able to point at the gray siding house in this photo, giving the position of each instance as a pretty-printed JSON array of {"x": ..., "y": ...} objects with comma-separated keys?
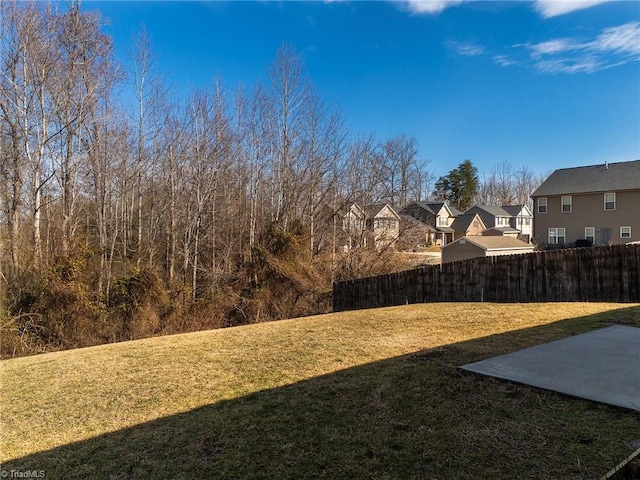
[{"x": 599, "y": 203}]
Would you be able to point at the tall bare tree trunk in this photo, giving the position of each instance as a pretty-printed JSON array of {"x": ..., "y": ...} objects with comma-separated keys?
[{"x": 172, "y": 217}]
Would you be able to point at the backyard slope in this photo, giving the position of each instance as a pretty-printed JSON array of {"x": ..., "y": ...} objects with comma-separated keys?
[{"x": 364, "y": 394}]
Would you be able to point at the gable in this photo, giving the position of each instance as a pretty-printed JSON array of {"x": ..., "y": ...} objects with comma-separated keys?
[
  {"x": 445, "y": 211},
  {"x": 355, "y": 211},
  {"x": 387, "y": 212},
  {"x": 468, "y": 221}
]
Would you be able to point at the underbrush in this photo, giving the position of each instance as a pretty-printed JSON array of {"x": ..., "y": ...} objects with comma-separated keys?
[{"x": 61, "y": 307}]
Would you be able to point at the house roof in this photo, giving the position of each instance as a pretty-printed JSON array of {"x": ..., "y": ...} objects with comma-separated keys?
[
  {"x": 434, "y": 207},
  {"x": 464, "y": 221},
  {"x": 505, "y": 229},
  {"x": 606, "y": 177},
  {"x": 373, "y": 211},
  {"x": 351, "y": 208},
  {"x": 412, "y": 222},
  {"x": 495, "y": 243},
  {"x": 515, "y": 210},
  {"x": 494, "y": 210}
]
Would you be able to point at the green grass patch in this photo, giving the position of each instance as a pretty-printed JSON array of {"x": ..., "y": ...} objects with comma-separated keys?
[{"x": 366, "y": 394}]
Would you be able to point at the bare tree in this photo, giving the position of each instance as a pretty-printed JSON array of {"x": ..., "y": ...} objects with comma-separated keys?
[
  {"x": 290, "y": 96},
  {"x": 504, "y": 186},
  {"x": 150, "y": 94},
  {"x": 402, "y": 168}
]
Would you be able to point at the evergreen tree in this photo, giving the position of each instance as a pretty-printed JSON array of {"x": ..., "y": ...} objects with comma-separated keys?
[{"x": 459, "y": 187}]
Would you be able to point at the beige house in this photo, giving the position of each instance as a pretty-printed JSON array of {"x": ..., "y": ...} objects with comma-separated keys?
[
  {"x": 506, "y": 217},
  {"x": 371, "y": 226},
  {"x": 439, "y": 216},
  {"x": 383, "y": 223},
  {"x": 485, "y": 246},
  {"x": 467, "y": 224},
  {"x": 597, "y": 203},
  {"x": 353, "y": 226}
]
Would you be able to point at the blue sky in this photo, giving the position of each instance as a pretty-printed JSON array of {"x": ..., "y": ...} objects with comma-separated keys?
[{"x": 543, "y": 84}]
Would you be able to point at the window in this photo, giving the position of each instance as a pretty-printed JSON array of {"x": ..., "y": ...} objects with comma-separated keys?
[
  {"x": 527, "y": 221},
  {"x": 609, "y": 201},
  {"x": 590, "y": 234},
  {"x": 443, "y": 221},
  {"x": 625, "y": 232},
  {"x": 542, "y": 205},
  {"x": 566, "y": 204},
  {"x": 557, "y": 236}
]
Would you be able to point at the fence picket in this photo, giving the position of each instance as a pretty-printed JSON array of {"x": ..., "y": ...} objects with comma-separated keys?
[{"x": 597, "y": 274}]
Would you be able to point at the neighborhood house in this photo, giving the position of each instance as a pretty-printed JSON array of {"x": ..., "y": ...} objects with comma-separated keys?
[
  {"x": 598, "y": 204},
  {"x": 438, "y": 216}
]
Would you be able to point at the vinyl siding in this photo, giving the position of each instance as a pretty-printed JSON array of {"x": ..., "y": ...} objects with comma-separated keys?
[{"x": 588, "y": 211}]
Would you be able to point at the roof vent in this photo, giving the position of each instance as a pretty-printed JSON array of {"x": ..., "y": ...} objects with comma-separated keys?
[{"x": 606, "y": 165}]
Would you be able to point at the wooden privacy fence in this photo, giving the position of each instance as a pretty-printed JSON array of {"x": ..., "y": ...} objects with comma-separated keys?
[{"x": 597, "y": 274}]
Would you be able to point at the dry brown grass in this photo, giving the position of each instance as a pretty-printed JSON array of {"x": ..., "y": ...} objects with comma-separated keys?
[{"x": 53, "y": 400}]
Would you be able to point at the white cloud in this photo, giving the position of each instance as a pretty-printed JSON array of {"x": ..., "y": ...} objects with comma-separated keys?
[
  {"x": 466, "y": 49},
  {"x": 470, "y": 50},
  {"x": 612, "y": 47},
  {"x": 570, "y": 65},
  {"x": 551, "y": 47},
  {"x": 624, "y": 39},
  {"x": 505, "y": 60},
  {"x": 547, "y": 8},
  {"x": 428, "y": 6},
  {"x": 553, "y": 8}
]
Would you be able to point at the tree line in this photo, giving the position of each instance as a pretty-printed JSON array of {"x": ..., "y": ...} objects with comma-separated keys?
[
  {"x": 121, "y": 219},
  {"x": 463, "y": 188}
]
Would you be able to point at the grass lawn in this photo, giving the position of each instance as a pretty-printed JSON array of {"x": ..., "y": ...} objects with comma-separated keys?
[{"x": 373, "y": 394}]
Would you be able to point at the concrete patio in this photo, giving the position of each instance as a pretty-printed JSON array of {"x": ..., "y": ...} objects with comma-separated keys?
[{"x": 603, "y": 366}]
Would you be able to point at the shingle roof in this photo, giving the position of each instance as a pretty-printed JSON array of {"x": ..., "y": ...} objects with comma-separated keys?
[
  {"x": 496, "y": 243},
  {"x": 373, "y": 211},
  {"x": 513, "y": 210},
  {"x": 595, "y": 178},
  {"x": 463, "y": 222},
  {"x": 434, "y": 207},
  {"x": 504, "y": 229},
  {"x": 412, "y": 222},
  {"x": 494, "y": 210},
  {"x": 430, "y": 207}
]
